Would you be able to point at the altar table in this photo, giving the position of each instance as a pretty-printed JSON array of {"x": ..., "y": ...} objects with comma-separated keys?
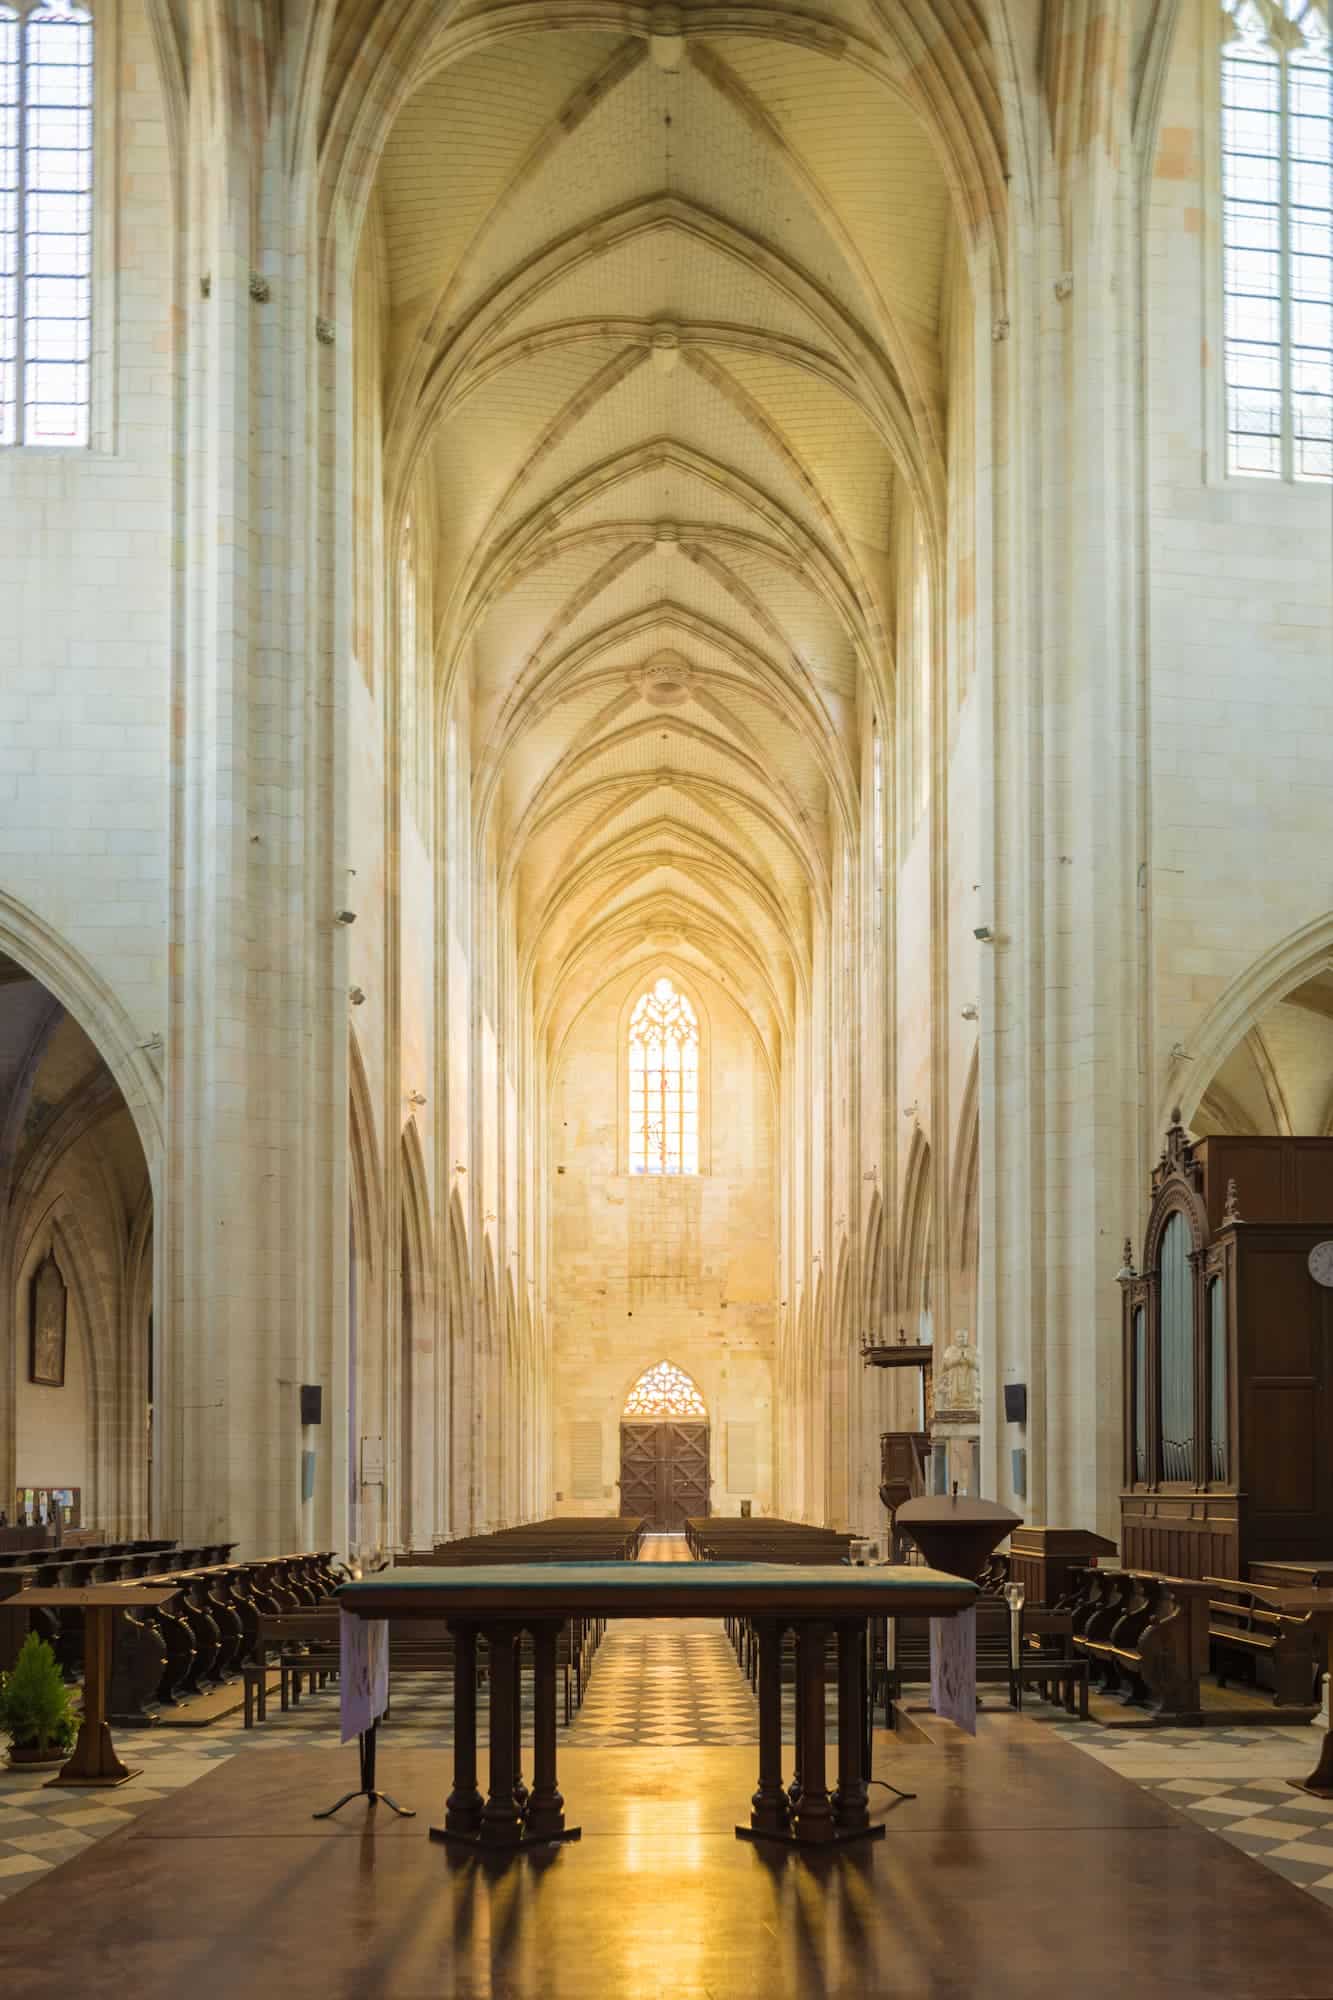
[
  {"x": 94, "y": 1760},
  {"x": 504, "y": 1601}
]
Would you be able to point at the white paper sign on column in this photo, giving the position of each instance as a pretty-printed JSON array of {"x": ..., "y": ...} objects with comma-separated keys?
[
  {"x": 363, "y": 1672},
  {"x": 953, "y": 1669}
]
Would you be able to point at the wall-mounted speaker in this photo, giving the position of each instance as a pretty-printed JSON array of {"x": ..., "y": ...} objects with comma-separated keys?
[
  {"x": 1019, "y": 1465},
  {"x": 1015, "y": 1402},
  {"x": 312, "y": 1403}
]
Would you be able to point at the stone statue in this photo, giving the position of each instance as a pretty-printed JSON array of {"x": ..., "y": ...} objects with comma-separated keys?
[{"x": 959, "y": 1384}]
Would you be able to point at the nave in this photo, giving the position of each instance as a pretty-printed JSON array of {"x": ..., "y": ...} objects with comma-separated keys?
[
  {"x": 209, "y": 1874},
  {"x": 666, "y": 772},
  {"x": 215, "y": 1879}
]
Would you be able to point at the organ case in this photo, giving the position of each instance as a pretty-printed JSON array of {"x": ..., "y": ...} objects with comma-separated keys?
[{"x": 1228, "y": 1389}]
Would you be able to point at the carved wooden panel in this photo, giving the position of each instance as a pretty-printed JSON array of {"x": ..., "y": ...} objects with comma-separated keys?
[
  {"x": 687, "y": 1485},
  {"x": 664, "y": 1472},
  {"x": 638, "y": 1470}
]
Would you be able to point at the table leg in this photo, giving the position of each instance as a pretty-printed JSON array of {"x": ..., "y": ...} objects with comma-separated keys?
[
  {"x": 520, "y": 1789},
  {"x": 94, "y": 1760},
  {"x": 850, "y": 1800},
  {"x": 814, "y": 1813},
  {"x": 769, "y": 1810},
  {"x": 546, "y": 1808},
  {"x": 797, "y": 1719},
  {"x": 501, "y": 1821},
  {"x": 462, "y": 1810}
]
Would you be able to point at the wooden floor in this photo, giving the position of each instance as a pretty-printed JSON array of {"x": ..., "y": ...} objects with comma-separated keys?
[{"x": 1022, "y": 1869}]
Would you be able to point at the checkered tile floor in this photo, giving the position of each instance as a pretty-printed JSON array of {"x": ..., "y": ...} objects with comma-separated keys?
[
  {"x": 674, "y": 1682},
  {"x": 1287, "y": 1830},
  {"x": 678, "y": 1683},
  {"x": 1233, "y": 1781},
  {"x": 41, "y": 1827}
]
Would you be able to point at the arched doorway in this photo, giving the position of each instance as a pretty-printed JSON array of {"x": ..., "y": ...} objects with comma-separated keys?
[{"x": 664, "y": 1449}]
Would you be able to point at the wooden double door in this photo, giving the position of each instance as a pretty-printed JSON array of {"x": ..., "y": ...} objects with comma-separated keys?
[{"x": 664, "y": 1472}]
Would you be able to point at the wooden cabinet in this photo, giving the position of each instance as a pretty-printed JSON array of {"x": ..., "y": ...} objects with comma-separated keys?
[
  {"x": 1228, "y": 1391},
  {"x": 1042, "y": 1558}
]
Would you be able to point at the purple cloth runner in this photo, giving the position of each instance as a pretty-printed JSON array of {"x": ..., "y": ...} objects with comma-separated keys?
[
  {"x": 953, "y": 1669},
  {"x": 363, "y": 1672}
]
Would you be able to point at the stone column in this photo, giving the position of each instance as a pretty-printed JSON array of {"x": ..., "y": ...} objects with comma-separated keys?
[
  {"x": 1061, "y": 699},
  {"x": 256, "y": 1261}
]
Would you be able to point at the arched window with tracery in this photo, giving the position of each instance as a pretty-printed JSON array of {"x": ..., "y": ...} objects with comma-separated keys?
[
  {"x": 46, "y": 223},
  {"x": 663, "y": 1083},
  {"x": 1277, "y": 212},
  {"x": 663, "y": 1393}
]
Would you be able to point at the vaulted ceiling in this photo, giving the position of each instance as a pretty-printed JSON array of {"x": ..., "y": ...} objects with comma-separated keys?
[{"x": 663, "y": 335}]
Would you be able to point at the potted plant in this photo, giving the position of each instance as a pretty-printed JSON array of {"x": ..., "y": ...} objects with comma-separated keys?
[{"x": 35, "y": 1710}]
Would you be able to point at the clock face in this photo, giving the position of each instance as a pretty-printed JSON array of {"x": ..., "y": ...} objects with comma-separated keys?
[{"x": 1321, "y": 1264}]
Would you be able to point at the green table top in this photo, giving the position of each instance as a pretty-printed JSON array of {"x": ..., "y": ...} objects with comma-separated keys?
[{"x": 656, "y": 1590}]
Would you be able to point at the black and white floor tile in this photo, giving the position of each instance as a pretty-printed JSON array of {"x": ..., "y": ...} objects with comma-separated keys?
[
  {"x": 670, "y": 1683},
  {"x": 1284, "y": 1828},
  {"x": 678, "y": 1683}
]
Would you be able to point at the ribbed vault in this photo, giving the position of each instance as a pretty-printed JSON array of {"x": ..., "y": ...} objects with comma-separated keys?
[{"x": 662, "y": 318}]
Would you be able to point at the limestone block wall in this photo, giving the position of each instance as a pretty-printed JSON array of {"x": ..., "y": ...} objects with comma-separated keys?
[
  {"x": 645, "y": 1270},
  {"x": 1240, "y": 697},
  {"x": 86, "y": 564}
]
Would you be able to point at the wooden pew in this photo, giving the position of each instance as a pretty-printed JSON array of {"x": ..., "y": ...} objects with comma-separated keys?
[
  {"x": 726, "y": 1538},
  {"x": 1149, "y": 1639},
  {"x": 1242, "y": 1628}
]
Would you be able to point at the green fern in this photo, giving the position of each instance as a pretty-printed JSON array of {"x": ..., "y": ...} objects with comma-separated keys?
[{"x": 35, "y": 1710}]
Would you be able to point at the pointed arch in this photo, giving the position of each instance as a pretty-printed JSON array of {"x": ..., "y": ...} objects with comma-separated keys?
[
  {"x": 662, "y": 1392},
  {"x": 915, "y": 1236},
  {"x": 515, "y": 1400},
  {"x": 457, "y": 1374},
  {"x": 417, "y": 1346},
  {"x": 59, "y": 1229},
  {"x": 1302, "y": 955},
  {"x": 33, "y": 944},
  {"x": 366, "y": 1177},
  {"x": 965, "y": 1199},
  {"x": 684, "y": 1117},
  {"x": 839, "y": 1327},
  {"x": 874, "y": 1305}
]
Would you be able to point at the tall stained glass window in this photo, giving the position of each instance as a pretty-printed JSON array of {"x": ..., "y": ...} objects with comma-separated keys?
[
  {"x": 1277, "y": 227},
  {"x": 46, "y": 223},
  {"x": 663, "y": 1083}
]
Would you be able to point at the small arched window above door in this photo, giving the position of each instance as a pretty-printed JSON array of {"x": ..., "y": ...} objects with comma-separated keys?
[
  {"x": 664, "y": 1393},
  {"x": 663, "y": 1058}
]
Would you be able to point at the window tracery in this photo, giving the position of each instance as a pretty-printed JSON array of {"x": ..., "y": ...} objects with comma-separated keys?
[
  {"x": 663, "y": 1083},
  {"x": 1277, "y": 227},
  {"x": 662, "y": 1393},
  {"x": 46, "y": 224}
]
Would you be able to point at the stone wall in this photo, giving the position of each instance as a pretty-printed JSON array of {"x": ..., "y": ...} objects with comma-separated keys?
[{"x": 650, "y": 1269}]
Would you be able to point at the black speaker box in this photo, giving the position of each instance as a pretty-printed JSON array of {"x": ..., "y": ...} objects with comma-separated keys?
[
  {"x": 1015, "y": 1402},
  {"x": 312, "y": 1403}
]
